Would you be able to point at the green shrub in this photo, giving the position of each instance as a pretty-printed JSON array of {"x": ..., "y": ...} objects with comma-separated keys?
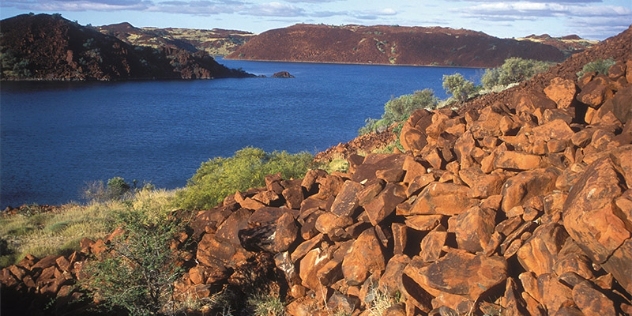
[
  {"x": 116, "y": 189},
  {"x": 137, "y": 272},
  {"x": 460, "y": 88},
  {"x": 399, "y": 109},
  {"x": 599, "y": 66},
  {"x": 220, "y": 177},
  {"x": 512, "y": 71},
  {"x": 266, "y": 305}
]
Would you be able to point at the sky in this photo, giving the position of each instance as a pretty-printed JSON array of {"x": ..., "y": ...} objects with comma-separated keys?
[{"x": 590, "y": 19}]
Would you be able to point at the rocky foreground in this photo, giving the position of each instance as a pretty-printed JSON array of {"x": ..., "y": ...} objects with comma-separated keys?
[{"x": 518, "y": 207}]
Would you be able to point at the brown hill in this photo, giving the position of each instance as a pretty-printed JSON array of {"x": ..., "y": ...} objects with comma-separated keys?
[
  {"x": 390, "y": 45},
  {"x": 520, "y": 203},
  {"x": 49, "y": 47},
  {"x": 216, "y": 42}
]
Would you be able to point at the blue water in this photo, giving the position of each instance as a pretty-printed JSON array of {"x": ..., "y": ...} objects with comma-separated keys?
[{"x": 57, "y": 137}]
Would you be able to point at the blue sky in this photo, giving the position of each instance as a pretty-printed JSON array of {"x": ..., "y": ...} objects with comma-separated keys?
[{"x": 591, "y": 19}]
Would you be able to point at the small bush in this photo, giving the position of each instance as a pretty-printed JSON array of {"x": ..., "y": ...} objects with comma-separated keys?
[
  {"x": 266, "y": 305},
  {"x": 460, "y": 88},
  {"x": 220, "y": 177},
  {"x": 399, "y": 109},
  {"x": 599, "y": 66},
  {"x": 513, "y": 70},
  {"x": 116, "y": 189},
  {"x": 137, "y": 272}
]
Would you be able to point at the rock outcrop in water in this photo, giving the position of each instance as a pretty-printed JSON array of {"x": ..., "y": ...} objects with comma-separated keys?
[
  {"x": 520, "y": 203},
  {"x": 49, "y": 47},
  {"x": 394, "y": 45}
]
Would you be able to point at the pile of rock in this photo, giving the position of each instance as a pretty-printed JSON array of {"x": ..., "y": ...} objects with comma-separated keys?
[
  {"x": 33, "y": 285},
  {"x": 520, "y": 208}
]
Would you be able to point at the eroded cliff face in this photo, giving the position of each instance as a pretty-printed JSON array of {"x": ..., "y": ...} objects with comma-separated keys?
[
  {"x": 49, "y": 47},
  {"x": 390, "y": 45}
]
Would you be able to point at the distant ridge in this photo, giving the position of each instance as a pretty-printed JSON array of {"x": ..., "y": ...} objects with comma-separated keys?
[
  {"x": 216, "y": 42},
  {"x": 49, "y": 47},
  {"x": 437, "y": 46}
]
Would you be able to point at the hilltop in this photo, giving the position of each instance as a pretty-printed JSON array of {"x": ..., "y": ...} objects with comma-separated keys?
[
  {"x": 396, "y": 45},
  {"x": 49, "y": 47},
  {"x": 216, "y": 42}
]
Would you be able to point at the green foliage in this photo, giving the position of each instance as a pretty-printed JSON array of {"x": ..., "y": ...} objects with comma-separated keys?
[
  {"x": 512, "y": 71},
  {"x": 460, "y": 88},
  {"x": 13, "y": 66},
  {"x": 220, "y": 177},
  {"x": 399, "y": 109},
  {"x": 266, "y": 305},
  {"x": 115, "y": 189},
  {"x": 137, "y": 272},
  {"x": 599, "y": 66}
]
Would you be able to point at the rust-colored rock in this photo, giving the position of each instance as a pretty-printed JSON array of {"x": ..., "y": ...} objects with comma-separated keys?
[
  {"x": 443, "y": 198},
  {"x": 514, "y": 160},
  {"x": 590, "y": 216},
  {"x": 528, "y": 184},
  {"x": 365, "y": 257},
  {"x": 346, "y": 202},
  {"x": 432, "y": 245},
  {"x": 460, "y": 273},
  {"x": 539, "y": 253},
  {"x": 594, "y": 92},
  {"x": 482, "y": 185},
  {"x": 561, "y": 91},
  {"x": 384, "y": 204},
  {"x": 591, "y": 301},
  {"x": 474, "y": 229}
]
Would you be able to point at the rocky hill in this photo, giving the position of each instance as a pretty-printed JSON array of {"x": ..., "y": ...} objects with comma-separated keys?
[
  {"x": 49, "y": 47},
  {"x": 519, "y": 203},
  {"x": 391, "y": 45},
  {"x": 216, "y": 42}
]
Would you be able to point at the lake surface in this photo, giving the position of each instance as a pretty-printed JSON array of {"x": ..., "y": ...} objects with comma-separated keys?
[{"x": 58, "y": 137}]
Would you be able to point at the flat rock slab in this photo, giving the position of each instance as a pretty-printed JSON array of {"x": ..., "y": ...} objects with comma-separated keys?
[{"x": 459, "y": 272}]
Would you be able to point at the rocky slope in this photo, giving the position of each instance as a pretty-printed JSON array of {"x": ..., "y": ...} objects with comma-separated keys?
[
  {"x": 390, "y": 45},
  {"x": 216, "y": 42},
  {"x": 49, "y": 47},
  {"x": 520, "y": 203}
]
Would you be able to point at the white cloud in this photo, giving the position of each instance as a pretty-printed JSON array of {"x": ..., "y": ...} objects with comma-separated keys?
[{"x": 274, "y": 9}]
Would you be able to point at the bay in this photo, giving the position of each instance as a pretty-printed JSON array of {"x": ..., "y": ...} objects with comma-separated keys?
[{"x": 56, "y": 137}]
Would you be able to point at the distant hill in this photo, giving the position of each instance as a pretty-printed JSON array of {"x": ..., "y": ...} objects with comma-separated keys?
[
  {"x": 392, "y": 45},
  {"x": 569, "y": 44},
  {"x": 49, "y": 47},
  {"x": 216, "y": 42}
]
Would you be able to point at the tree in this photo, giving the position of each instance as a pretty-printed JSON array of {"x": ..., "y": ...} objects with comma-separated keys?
[{"x": 459, "y": 87}]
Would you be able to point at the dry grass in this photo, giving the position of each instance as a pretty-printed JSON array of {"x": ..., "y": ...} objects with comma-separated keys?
[{"x": 60, "y": 231}]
